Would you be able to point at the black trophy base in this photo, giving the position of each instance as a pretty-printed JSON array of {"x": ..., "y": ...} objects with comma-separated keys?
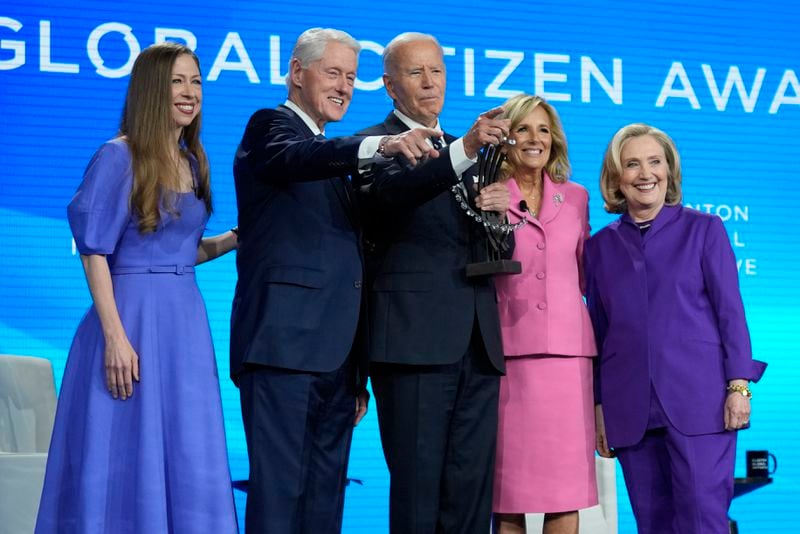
[{"x": 489, "y": 268}]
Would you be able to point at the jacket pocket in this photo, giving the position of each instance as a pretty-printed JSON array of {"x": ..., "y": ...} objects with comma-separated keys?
[{"x": 289, "y": 274}]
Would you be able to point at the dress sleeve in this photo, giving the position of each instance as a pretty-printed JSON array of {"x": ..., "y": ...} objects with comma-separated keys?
[{"x": 99, "y": 212}]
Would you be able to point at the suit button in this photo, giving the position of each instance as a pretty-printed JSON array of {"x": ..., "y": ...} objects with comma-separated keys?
[
  {"x": 540, "y": 275},
  {"x": 540, "y": 245},
  {"x": 357, "y": 284},
  {"x": 542, "y": 305}
]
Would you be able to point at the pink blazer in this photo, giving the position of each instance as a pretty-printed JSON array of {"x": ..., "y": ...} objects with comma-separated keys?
[{"x": 542, "y": 310}]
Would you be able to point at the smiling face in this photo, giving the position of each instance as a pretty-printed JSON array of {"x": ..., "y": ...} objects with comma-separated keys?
[
  {"x": 534, "y": 140},
  {"x": 645, "y": 177},
  {"x": 416, "y": 80},
  {"x": 187, "y": 91},
  {"x": 324, "y": 89}
]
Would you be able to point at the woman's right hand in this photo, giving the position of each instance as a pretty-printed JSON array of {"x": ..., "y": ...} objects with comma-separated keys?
[
  {"x": 122, "y": 367},
  {"x": 600, "y": 433}
]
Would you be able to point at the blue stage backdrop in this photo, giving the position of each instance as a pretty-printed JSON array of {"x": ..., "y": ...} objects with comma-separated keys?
[{"x": 720, "y": 77}]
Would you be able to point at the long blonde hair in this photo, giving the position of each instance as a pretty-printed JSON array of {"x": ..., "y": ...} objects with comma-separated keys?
[{"x": 148, "y": 126}]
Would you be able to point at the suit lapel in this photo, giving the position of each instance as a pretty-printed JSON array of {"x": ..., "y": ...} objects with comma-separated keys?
[
  {"x": 553, "y": 197},
  {"x": 393, "y": 125},
  {"x": 515, "y": 198},
  {"x": 664, "y": 218},
  {"x": 344, "y": 190}
]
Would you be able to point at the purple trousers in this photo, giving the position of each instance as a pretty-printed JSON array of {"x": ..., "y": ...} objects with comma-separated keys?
[{"x": 679, "y": 484}]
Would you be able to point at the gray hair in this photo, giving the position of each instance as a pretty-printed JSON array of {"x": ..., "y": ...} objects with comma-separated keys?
[
  {"x": 404, "y": 38},
  {"x": 311, "y": 44}
]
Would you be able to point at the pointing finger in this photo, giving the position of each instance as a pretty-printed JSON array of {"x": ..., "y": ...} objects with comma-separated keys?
[
  {"x": 492, "y": 113},
  {"x": 431, "y": 132}
]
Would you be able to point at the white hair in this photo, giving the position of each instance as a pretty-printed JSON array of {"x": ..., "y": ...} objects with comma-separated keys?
[
  {"x": 404, "y": 38},
  {"x": 311, "y": 44}
]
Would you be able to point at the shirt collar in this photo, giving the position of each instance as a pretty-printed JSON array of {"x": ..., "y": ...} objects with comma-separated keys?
[
  {"x": 304, "y": 116},
  {"x": 411, "y": 123},
  {"x": 662, "y": 218}
]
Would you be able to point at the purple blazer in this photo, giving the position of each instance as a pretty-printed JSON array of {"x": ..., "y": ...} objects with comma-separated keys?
[{"x": 668, "y": 317}]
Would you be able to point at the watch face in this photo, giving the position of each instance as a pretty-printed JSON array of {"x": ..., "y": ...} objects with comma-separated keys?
[{"x": 745, "y": 391}]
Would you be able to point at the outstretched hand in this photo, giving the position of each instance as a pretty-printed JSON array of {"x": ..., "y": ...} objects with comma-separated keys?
[{"x": 413, "y": 145}]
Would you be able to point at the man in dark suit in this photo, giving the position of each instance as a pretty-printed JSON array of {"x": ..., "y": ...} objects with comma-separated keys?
[
  {"x": 297, "y": 342},
  {"x": 435, "y": 348}
]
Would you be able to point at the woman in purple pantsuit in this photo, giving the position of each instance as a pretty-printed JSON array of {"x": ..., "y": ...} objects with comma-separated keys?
[
  {"x": 138, "y": 444},
  {"x": 674, "y": 351}
]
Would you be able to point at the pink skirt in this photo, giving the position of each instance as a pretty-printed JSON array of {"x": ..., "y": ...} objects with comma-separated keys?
[{"x": 545, "y": 436}]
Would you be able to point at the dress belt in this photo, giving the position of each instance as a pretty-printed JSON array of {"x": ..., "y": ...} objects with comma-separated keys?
[{"x": 154, "y": 269}]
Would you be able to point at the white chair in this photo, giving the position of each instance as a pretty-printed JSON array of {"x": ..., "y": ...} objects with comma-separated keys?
[
  {"x": 600, "y": 519},
  {"x": 27, "y": 408}
]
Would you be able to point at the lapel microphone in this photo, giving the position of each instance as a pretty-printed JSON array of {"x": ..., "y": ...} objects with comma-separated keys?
[{"x": 523, "y": 206}]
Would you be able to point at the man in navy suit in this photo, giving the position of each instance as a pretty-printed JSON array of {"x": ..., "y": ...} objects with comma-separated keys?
[
  {"x": 297, "y": 339},
  {"x": 435, "y": 349}
]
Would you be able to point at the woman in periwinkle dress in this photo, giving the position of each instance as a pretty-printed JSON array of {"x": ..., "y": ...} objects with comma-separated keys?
[{"x": 138, "y": 444}]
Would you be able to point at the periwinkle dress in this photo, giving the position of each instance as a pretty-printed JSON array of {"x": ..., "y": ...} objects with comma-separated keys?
[{"x": 156, "y": 462}]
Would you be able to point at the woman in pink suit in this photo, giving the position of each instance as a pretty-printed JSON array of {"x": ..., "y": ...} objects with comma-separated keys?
[
  {"x": 675, "y": 358},
  {"x": 545, "y": 444}
]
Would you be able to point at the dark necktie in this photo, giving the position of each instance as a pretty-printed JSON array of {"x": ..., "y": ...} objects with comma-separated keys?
[{"x": 437, "y": 143}]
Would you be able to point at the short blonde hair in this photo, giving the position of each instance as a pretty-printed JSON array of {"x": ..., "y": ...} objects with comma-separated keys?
[
  {"x": 612, "y": 166},
  {"x": 516, "y": 109}
]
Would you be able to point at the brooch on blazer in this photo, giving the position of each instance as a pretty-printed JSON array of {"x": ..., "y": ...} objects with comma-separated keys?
[{"x": 558, "y": 198}]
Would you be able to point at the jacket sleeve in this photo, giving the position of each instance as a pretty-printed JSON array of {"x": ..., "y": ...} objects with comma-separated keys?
[
  {"x": 587, "y": 232},
  {"x": 276, "y": 150},
  {"x": 722, "y": 284},
  {"x": 395, "y": 184},
  {"x": 596, "y": 313}
]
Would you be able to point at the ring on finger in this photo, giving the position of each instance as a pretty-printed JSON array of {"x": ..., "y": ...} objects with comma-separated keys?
[{"x": 507, "y": 140}]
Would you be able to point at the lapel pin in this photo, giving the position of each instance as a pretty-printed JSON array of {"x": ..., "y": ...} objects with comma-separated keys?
[{"x": 558, "y": 198}]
